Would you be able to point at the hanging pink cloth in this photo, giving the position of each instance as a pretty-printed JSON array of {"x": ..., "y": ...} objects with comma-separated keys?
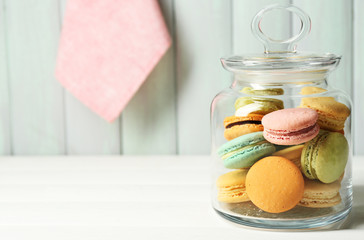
[{"x": 107, "y": 49}]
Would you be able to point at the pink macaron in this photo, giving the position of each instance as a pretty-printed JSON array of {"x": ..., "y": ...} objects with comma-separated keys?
[{"x": 290, "y": 126}]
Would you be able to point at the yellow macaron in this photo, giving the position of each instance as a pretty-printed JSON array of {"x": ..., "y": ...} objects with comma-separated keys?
[
  {"x": 292, "y": 153},
  {"x": 312, "y": 90},
  {"x": 320, "y": 195},
  {"x": 231, "y": 187},
  {"x": 332, "y": 114}
]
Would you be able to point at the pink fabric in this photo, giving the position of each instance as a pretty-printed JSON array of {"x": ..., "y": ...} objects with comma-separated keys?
[{"x": 107, "y": 49}]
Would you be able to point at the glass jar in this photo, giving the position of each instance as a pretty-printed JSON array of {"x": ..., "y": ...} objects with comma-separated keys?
[{"x": 281, "y": 138}]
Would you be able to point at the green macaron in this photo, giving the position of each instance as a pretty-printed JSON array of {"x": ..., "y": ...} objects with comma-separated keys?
[
  {"x": 262, "y": 92},
  {"x": 325, "y": 157},
  {"x": 257, "y": 105},
  {"x": 244, "y": 151}
]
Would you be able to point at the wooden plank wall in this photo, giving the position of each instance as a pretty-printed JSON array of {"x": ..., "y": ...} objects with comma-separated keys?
[
  {"x": 203, "y": 35},
  {"x": 148, "y": 124},
  {"x": 36, "y": 103},
  {"x": 5, "y": 140},
  {"x": 170, "y": 112},
  {"x": 358, "y": 84}
]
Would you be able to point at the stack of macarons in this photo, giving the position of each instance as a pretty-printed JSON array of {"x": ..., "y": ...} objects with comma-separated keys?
[
  {"x": 295, "y": 158},
  {"x": 250, "y": 110}
]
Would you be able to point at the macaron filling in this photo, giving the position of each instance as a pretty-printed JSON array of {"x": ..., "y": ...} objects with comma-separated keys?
[
  {"x": 233, "y": 194},
  {"x": 243, "y": 123},
  {"x": 291, "y": 133},
  {"x": 331, "y": 124},
  {"x": 257, "y": 108},
  {"x": 320, "y": 202},
  {"x": 314, "y": 154}
]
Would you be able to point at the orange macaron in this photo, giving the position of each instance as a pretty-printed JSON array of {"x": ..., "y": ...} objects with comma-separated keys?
[
  {"x": 275, "y": 184},
  {"x": 238, "y": 126}
]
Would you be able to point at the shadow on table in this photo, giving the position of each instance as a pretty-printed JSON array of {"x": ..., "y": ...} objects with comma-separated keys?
[{"x": 356, "y": 217}]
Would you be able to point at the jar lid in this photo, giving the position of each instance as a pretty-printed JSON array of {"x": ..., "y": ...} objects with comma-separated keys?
[{"x": 281, "y": 54}]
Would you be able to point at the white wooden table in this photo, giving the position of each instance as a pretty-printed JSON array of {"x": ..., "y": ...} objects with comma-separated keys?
[{"x": 129, "y": 198}]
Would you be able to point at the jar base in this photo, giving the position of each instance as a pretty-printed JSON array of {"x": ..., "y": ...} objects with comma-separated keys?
[{"x": 322, "y": 223}]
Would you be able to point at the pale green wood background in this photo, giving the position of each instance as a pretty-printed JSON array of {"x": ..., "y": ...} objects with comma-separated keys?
[
  {"x": 170, "y": 112},
  {"x": 358, "y": 72},
  {"x": 149, "y": 122},
  {"x": 5, "y": 141}
]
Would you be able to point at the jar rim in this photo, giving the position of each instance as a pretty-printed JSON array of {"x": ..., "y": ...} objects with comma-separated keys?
[{"x": 281, "y": 61}]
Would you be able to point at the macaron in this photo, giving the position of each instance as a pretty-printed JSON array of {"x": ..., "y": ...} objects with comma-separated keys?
[
  {"x": 256, "y": 105},
  {"x": 312, "y": 90},
  {"x": 320, "y": 195},
  {"x": 231, "y": 187},
  {"x": 244, "y": 151},
  {"x": 281, "y": 147},
  {"x": 237, "y": 126},
  {"x": 262, "y": 92},
  {"x": 332, "y": 114},
  {"x": 274, "y": 184},
  {"x": 325, "y": 157},
  {"x": 292, "y": 153},
  {"x": 290, "y": 126}
]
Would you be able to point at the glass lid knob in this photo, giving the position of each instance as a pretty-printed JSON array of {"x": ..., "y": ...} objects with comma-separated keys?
[{"x": 285, "y": 45}]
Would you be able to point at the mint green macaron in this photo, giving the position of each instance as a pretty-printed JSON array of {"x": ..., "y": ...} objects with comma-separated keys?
[
  {"x": 325, "y": 157},
  {"x": 244, "y": 151}
]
